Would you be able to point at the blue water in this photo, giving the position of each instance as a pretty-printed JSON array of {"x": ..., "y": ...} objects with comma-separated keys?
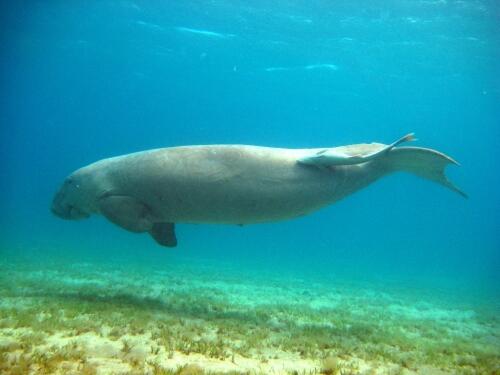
[{"x": 82, "y": 81}]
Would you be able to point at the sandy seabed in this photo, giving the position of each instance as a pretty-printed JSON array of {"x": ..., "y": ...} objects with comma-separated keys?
[{"x": 198, "y": 318}]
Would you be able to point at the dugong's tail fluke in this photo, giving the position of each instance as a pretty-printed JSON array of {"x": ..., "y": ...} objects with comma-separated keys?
[{"x": 423, "y": 162}]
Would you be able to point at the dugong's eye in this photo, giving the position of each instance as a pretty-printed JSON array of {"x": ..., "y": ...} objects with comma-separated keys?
[{"x": 70, "y": 181}]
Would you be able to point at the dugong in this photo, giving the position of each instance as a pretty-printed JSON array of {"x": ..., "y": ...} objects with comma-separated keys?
[{"x": 151, "y": 191}]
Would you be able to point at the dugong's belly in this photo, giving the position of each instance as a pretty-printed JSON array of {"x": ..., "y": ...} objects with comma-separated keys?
[
  {"x": 225, "y": 184},
  {"x": 243, "y": 199}
]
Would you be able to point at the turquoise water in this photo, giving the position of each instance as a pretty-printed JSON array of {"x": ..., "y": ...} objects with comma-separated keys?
[{"x": 362, "y": 284}]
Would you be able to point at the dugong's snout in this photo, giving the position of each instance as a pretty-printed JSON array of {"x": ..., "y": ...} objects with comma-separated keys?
[
  {"x": 65, "y": 203},
  {"x": 66, "y": 211},
  {"x": 61, "y": 210}
]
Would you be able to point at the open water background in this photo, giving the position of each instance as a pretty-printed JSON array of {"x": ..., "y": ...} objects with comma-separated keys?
[{"x": 83, "y": 81}]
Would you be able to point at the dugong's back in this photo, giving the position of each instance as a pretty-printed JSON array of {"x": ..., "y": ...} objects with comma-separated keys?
[{"x": 220, "y": 184}]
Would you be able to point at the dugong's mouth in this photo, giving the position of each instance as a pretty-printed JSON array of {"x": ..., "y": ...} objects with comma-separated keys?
[
  {"x": 65, "y": 210},
  {"x": 68, "y": 212}
]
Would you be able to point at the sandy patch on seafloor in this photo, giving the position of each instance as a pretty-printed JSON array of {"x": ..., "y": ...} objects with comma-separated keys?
[
  {"x": 200, "y": 320},
  {"x": 100, "y": 355}
]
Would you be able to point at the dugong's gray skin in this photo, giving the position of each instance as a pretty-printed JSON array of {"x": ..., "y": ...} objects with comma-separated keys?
[{"x": 149, "y": 191}]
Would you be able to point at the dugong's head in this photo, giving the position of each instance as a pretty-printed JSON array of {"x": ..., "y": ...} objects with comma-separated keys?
[{"x": 76, "y": 197}]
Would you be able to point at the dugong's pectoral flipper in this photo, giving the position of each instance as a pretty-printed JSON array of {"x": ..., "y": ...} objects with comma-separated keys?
[
  {"x": 126, "y": 212},
  {"x": 135, "y": 216},
  {"x": 164, "y": 234}
]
